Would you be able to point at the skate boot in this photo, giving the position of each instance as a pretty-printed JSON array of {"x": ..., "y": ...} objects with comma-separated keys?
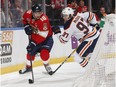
[
  {"x": 25, "y": 70},
  {"x": 48, "y": 69}
]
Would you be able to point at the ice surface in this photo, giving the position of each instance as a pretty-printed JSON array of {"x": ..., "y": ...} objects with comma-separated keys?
[{"x": 64, "y": 77}]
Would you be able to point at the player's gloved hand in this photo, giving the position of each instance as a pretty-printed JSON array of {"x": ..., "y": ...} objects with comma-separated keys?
[
  {"x": 97, "y": 26},
  {"x": 35, "y": 31},
  {"x": 28, "y": 29},
  {"x": 31, "y": 46},
  {"x": 56, "y": 30}
]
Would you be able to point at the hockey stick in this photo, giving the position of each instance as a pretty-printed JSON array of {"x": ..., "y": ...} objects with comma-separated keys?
[
  {"x": 64, "y": 61},
  {"x": 31, "y": 80}
]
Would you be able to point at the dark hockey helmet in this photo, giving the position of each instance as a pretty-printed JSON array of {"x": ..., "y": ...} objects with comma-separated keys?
[{"x": 36, "y": 8}]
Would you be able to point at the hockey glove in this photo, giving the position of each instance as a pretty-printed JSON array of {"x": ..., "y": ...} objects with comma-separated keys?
[
  {"x": 97, "y": 26},
  {"x": 31, "y": 46},
  {"x": 56, "y": 29},
  {"x": 28, "y": 29}
]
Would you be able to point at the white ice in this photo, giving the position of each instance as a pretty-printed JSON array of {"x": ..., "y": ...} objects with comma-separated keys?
[{"x": 64, "y": 77}]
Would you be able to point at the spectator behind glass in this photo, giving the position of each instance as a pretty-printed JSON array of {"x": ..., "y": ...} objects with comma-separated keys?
[
  {"x": 10, "y": 16},
  {"x": 29, "y": 3},
  {"x": 74, "y": 6},
  {"x": 17, "y": 12},
  {"x": 102, "y": 16},
  {"x": 57, "y": 5},
  {"x": 2, "y": 15},
  {"x": 102, "y": 12},
  {"x": 36, "y": 2},
  {"x": 82, "y": 7}
]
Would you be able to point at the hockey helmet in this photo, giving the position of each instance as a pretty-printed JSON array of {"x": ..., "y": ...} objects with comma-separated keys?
[
  {"x": 36, "y": 8},
  {"x": 68, "y": 11}
]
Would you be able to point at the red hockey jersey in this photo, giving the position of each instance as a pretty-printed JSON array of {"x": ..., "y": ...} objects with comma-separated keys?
[{"x": 42, "y": 25}]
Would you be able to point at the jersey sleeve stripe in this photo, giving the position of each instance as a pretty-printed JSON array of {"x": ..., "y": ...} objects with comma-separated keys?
[
  {"x": 84, "y": 63},
  {"x": 62, "y": 40},
  {"x": 90, "y": 17},
  {"x": 91, "y": 34}
]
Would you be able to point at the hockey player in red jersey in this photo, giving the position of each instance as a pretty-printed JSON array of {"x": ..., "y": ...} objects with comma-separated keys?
[{"x": 38, "y": 29}]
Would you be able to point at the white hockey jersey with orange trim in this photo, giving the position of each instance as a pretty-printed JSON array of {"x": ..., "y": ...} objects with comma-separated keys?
[{"x": 79, "y": 28}]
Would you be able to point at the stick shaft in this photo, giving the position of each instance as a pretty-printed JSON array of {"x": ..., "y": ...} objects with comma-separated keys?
[{"x": 64, "y": 61}]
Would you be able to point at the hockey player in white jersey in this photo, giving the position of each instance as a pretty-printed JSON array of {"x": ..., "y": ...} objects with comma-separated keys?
[{"x": 86, "y": 34}]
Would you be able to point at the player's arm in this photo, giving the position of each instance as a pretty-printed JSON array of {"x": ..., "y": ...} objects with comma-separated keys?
[
  {"x": 27, "y": 27},
  {"x": 63, "y": 38},
  {"x": 91, "y": 19}
]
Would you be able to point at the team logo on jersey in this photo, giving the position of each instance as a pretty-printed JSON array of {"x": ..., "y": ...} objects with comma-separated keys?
[
  {"x": 45, "y": 26},
  {"x": 28, "y": 20}
]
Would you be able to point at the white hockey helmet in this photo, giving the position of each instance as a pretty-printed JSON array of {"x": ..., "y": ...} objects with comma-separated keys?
[{"x": 68, "y": 11}]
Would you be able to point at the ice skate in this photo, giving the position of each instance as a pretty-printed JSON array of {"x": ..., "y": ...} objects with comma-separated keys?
[
  {"x": 25, "y": 70},
  {"x": 48, "y": 69}
]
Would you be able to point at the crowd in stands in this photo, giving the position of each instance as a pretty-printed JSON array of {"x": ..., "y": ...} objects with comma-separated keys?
[
  {"x": 15, "y": 12},
  {"x": 16, "y": 8}
]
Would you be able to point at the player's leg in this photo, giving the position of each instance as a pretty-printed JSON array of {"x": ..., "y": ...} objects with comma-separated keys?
[
  {"x": 80, "y": 54},
  {"x": 31, "y": 51},
  {"x": 84, "y": 52},
  {"x": 45, "y": 53}
]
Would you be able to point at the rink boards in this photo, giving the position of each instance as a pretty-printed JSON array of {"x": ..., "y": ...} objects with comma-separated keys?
[{"x": 13, "y": 50}]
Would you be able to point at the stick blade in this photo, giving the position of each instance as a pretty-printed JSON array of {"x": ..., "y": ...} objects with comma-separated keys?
[
  {"x": 31, "y": 81},
  {"x": 51, "y": 73}
]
